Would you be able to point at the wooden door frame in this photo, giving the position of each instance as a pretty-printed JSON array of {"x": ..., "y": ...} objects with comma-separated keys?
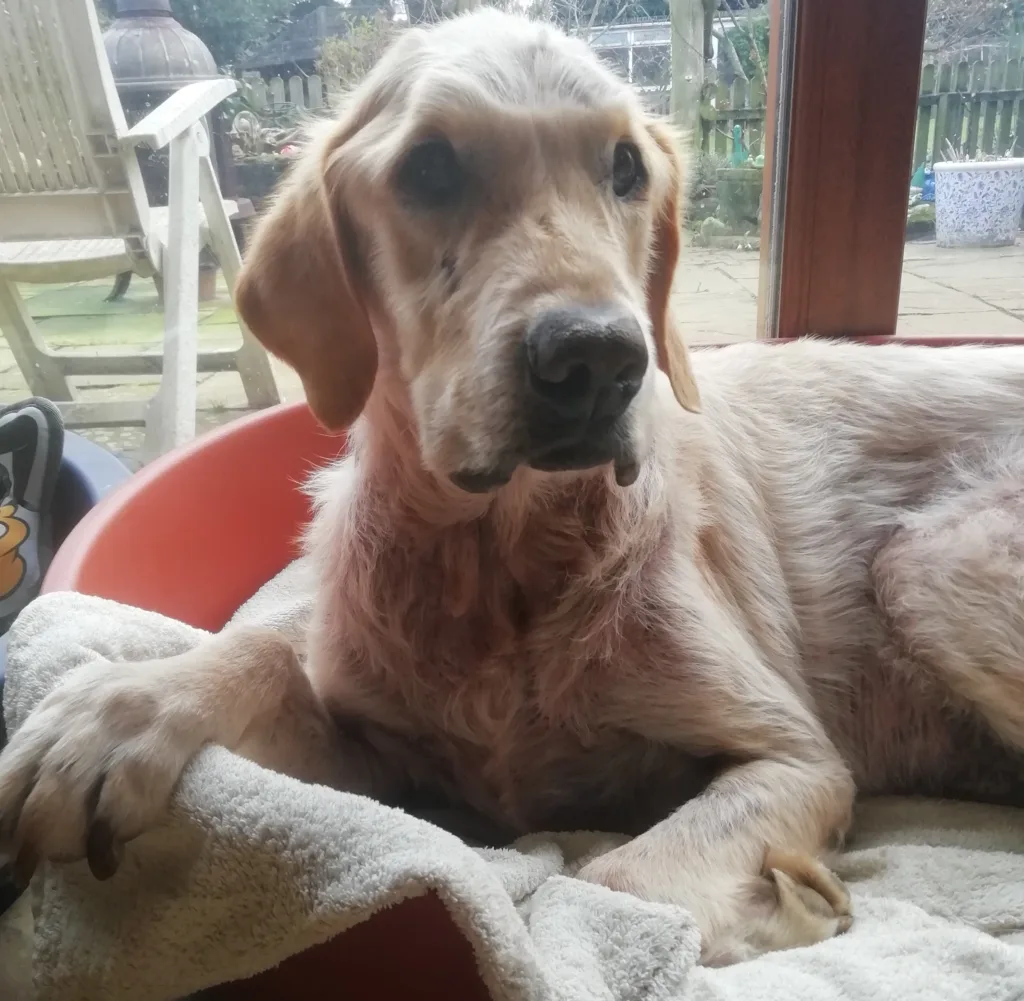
[{"x": 842, "y": 105}]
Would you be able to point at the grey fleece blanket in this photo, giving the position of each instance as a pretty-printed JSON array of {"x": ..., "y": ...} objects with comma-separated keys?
[{"x": 251, "y": 867}]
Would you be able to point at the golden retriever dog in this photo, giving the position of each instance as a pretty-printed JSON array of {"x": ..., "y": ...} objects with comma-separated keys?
[{"x": 569, "y": 575}]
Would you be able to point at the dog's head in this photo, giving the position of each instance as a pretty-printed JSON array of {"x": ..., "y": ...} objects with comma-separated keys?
[{"x": 492, "y": 228}]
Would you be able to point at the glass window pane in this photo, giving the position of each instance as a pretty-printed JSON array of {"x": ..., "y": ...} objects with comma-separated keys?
[
  {"x": 963, "y": 270},
  {"x": 708, "y": 70}
]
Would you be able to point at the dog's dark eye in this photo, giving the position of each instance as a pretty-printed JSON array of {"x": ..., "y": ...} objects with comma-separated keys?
[
  {"x": 432, "y": 174},
  {"x": 627, "y": 169}
]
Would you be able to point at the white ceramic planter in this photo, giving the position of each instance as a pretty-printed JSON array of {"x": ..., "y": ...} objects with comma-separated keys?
[{"x": 978, "y": 204}]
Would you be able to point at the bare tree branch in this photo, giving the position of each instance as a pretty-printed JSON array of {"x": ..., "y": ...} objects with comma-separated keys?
[
  {"x": 725, "y": 45},
  {"x": 751, "y": 37}
]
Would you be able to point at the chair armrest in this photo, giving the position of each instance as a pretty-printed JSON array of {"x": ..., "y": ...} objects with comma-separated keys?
[{"x": 179, "y": 112}]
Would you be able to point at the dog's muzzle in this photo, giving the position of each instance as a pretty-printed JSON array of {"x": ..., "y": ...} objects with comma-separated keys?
[{"x": 584, "y": 365}]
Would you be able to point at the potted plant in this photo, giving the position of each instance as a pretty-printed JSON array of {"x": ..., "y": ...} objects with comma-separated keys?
[
  {"x": 978, "y": 202},
  {"x": 739, "y": 187},
  {"x": 263, "y": 145}
]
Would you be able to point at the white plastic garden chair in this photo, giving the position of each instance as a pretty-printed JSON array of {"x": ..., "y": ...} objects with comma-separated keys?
[{"x": 73, "y": 208}]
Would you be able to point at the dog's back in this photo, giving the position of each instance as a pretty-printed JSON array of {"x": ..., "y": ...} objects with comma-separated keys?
[{"x": 835, "y": 447}]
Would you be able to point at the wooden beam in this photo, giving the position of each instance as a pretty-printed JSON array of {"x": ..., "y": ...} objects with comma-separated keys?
[
  {"x": 856, "y": 70},
  {"x": 152, "y": 363},
  {"x": 687, "y": 64},
  {"x": 104, "y": 414},
  {"x": 778, "y": 101}
]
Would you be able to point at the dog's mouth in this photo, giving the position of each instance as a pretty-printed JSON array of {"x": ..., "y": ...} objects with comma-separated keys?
[
  {"x": 576, "y": 457},
  {"x": 476, "y": 481},
  {"x": 587, "y": 455}
]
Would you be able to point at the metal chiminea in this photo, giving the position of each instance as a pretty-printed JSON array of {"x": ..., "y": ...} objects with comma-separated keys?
[{"x": 151, "y": 56}]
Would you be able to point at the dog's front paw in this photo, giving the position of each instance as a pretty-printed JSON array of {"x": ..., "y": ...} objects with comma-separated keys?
[
  {"x": 796, "y": 901},
  {"x": 93, "y": 766}
]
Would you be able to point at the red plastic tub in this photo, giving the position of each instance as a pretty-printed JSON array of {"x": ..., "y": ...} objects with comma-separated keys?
[{"x": 200, "y": 530}]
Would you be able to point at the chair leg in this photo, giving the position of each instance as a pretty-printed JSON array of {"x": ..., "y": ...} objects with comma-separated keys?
[
  {"x": 42, "y": 371},
  {"x": 121, "y": 283},
  {"x": 252, "y": 360},
  {"x": 172, "y": 417},
  {"x": 254, "y": 369},
  {"x": 153, "y": 443}
]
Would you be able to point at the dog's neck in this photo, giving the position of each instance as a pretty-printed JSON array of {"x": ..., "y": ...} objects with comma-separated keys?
[
  {"x": 562, "y": 521},
  {"x": 415, "y": 571},
  {"x": 386, "y": 446}
]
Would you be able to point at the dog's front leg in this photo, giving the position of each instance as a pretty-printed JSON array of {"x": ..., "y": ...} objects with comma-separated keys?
[
  {"x": 95, "y": 764},
  {"x": 743, "y": 856}
]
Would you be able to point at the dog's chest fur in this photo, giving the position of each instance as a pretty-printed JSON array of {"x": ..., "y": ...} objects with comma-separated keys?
[{"x": 488, "y": 656}]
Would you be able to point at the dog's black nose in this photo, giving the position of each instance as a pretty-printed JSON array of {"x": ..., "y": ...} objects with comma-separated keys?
[{"x": 585, "y": 362}]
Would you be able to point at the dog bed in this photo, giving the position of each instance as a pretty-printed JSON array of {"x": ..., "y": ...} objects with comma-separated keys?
[{"x": 252, "y": 867}]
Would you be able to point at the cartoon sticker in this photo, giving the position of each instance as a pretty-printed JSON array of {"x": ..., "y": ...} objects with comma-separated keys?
[{"x": 13, "y": 532}]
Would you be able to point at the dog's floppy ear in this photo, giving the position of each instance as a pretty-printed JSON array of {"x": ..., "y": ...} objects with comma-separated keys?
[
  {"x": 302, "y": 288},
  {"x": 673, "y": 358}
]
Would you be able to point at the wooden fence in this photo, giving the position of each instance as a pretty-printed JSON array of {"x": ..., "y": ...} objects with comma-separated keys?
[
  {"x": 977, "y": 104},
  {"x": 741, "y": 105},
  {"x": 303, "y": 92}
]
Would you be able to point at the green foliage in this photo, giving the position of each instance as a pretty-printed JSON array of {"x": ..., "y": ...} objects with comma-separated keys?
[
  {"x": 748, "y": 32},
  {"x": 703, "y": 175},
  {"x": 104, "y": 13},
  {"x": 230, "y": 28},
  {"x": 345, "y": 61}
]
